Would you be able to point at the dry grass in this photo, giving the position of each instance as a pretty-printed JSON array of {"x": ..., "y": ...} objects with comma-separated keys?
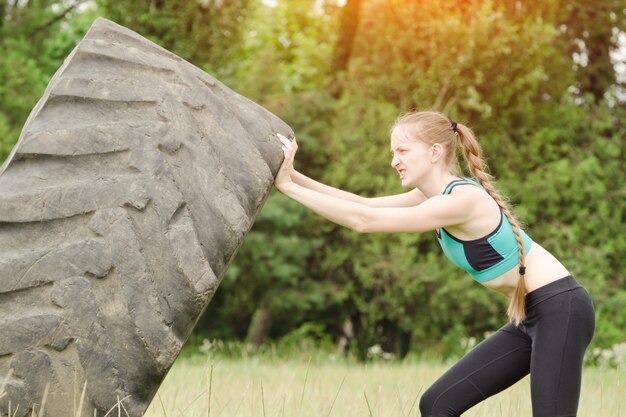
[
  {"x": 256, "y": 387},
  {"x": 197, "y": 387}
]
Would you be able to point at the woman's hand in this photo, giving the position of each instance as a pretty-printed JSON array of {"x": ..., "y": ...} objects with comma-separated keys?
[{"x": 290, "y": 148}]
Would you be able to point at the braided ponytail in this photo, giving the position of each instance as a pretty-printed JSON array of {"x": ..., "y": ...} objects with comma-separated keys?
[{"x": 472, "y": 153}]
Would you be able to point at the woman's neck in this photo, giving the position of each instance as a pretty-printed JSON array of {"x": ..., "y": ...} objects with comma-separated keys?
[{"x": 435, "y": 184}]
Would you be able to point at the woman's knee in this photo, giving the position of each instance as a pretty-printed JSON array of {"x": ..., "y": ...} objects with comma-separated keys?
[
  {"x": 427, "y": 403},
  {"x": 431, "y": 406}
]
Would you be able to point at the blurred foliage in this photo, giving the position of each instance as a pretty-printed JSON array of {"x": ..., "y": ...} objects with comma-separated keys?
[
  {"x": 205, "y": 32},
  {"x": 536, "y": 82}
]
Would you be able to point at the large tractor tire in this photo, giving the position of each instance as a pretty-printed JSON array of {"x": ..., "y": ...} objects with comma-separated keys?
[{"x": 135, "y": 179}]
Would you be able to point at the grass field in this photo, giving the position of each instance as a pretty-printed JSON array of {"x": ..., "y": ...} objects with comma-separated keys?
[{"x": 201, "y": 387}]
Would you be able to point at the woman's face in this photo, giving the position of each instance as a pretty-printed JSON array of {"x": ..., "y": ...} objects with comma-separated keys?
[{"x": 411, "y": 158}]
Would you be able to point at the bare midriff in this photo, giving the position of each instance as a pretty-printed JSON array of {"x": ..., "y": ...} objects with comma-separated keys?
[{"x": 541, "y": 268}]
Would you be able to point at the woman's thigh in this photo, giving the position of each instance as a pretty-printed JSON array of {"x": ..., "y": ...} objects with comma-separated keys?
[
  {"x": 492, "y": 366},
  {"x": 561, "y": 336}
]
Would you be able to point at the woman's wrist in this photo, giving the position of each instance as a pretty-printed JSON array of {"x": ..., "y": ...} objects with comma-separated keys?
[
  {"x": 285, "y": 186},
  {"x": 296, "y": 176}
]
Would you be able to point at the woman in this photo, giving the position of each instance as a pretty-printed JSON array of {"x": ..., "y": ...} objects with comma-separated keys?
[{"x": 551, "y": 315}]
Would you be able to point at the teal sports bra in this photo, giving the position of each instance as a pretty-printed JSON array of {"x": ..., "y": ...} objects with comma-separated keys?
[{"x": 489, "y": 256}]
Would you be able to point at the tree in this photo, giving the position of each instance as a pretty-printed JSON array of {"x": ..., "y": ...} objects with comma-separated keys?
[
  {"x": 349, "y": 23},
  {"x": 274, "y": 284},
  {"x": 205, "y": 33},
  {"x": 590, "y": 31}
]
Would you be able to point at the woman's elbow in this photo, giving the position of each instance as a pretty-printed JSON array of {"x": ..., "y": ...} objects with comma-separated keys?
[
  {"x": 364, "y": 221},
  {"x": 362, "y": 225}
]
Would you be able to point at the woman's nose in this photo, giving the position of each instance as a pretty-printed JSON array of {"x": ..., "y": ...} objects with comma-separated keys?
[{"x": 394, "y": 161}]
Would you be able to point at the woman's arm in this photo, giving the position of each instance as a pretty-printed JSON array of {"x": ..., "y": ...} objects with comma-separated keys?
[
  {"x": 439, "y": 211},
  {"x": 411, "y": 198}
]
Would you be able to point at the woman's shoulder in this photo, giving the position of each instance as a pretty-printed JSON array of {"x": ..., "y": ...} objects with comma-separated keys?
[{"x": 469, "y": 188}]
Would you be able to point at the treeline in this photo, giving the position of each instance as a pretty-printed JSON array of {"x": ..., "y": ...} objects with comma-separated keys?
[{"x": 535, "y": 80}]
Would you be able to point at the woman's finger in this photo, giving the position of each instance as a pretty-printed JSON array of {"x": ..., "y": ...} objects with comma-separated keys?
[
  {"x": 282, "y": 137},
  {"x": 289, "y": 149},
  {"x": 285, "y": 139},
  {"x": 287, "y": 152}
]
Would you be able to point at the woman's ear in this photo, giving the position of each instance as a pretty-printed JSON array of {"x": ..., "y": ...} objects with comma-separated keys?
[{"x": 436, "y": 152}]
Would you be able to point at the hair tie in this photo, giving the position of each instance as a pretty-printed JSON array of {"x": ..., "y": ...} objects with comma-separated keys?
[
  {"x": 522, "y": 270},
  {"x": 453, "y": 125}
]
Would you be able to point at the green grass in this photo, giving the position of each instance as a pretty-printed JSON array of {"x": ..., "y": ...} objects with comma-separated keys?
[{"x": 256, "y": 387}]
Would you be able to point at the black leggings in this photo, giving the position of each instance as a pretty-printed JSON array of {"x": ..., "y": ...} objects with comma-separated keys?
[{"x": 549, "y": 343}]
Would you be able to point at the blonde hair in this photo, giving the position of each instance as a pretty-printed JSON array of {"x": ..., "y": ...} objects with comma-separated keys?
[{"x": 433, "y": 127}]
